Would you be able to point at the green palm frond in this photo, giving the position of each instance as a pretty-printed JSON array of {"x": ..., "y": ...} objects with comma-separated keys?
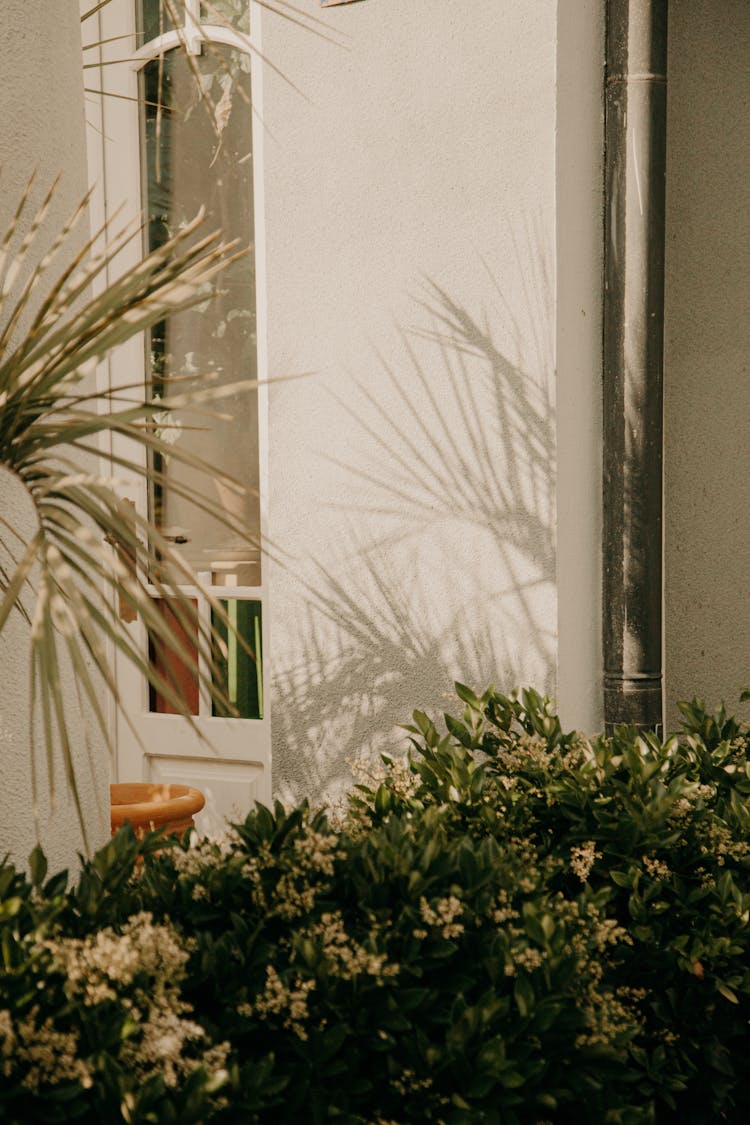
[{"x": 90, "y": 550}]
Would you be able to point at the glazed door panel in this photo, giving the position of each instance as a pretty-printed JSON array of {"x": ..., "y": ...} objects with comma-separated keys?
[{"x": 177, "y": 135}]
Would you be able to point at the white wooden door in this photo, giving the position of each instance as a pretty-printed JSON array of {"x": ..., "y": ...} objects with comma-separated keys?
[{"x": 176, "y": 131}]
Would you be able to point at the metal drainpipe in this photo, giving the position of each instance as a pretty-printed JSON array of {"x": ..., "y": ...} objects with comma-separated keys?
[{"x": 635, "y": 163}]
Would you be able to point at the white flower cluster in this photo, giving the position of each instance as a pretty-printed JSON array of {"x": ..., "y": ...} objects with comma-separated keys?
[
  {"x": 203, "y": 852},
  {"x": 297, "y": 887},
  {"x": 443, "y": 914},
  {"x": 276, "y": 999},
  {"x": 315, "y": 852},
  {"x": 579, "y": 753},
  {"x": 396, "y": 773},
  {"x": 520, "y": 954},
  {"x": 163, "y": 1041},
  {"x": 583, "y": 858},
  {"x": 508, "y": 783},
  {"x": 345, "y": 957},
  {"x": 407, "y": 1082},
  {"x": 292, "y": 880},
  {"x": 503, "y": 912},
  {"x": 604, "y": 932},
  {"x": 656, "y": 868},
  {"x": 528, "y": 751},
  {"x": 693, "y": 795},
  {"x": 39, "y": 1053},
  {"x": 609, "y": 1015},
  {"x": 143, "y": 967},
  {"x": 680, "y": 811},
  {"x": 528, "y": 958},
  {"x": 719, "y": 843},
  {"x": 95, "y": 965}
]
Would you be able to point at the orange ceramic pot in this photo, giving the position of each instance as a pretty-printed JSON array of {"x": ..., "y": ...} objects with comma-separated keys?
[{"x": 149, "y": 805}]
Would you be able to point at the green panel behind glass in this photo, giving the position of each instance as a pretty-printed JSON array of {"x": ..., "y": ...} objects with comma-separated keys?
[{"x": 241, "y": 674}]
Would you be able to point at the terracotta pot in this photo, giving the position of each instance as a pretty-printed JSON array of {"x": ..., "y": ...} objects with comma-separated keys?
[{"x": 148, "y": 805}]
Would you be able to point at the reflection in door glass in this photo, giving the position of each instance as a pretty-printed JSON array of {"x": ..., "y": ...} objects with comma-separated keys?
[
  {"x": 155, "y": 16},
  {"x": 227, "y": 13},
  {"x": 177, "y": 666},
  {"x": 153, "y": 20},
  {"x": 197, "y": 141}
]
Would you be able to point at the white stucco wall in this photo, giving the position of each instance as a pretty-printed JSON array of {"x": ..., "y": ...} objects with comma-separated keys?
[
  {"x": 707, "y": 344},
  {"x": 42, "y": 129},
  {"x": 410, "y": 235}
]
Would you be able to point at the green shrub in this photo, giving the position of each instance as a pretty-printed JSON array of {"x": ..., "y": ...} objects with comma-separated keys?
[
  {"x": 93, "y": 1023},
  {"x": 512, "y": 925}
]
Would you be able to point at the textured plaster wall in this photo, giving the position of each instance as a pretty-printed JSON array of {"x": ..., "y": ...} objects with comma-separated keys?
[
  {"x": 707, "y": 359},
  {"x": 410, "y": 203},
  {"x": 42, "y": 129}
]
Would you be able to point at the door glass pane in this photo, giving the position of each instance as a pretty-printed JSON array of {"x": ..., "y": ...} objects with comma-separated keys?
[
  {"x": 197, "y": 141},
  {"x": 241, "y": 671},
  {"x": 153, "y": 19},
  {"x": 178, "y": 665}
]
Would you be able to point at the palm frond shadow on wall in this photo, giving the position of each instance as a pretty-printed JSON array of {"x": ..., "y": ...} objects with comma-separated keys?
[{"x": 458, "y": 482}]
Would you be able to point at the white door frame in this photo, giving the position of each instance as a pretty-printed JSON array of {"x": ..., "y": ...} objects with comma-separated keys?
[{"x": 235, "y": 758}]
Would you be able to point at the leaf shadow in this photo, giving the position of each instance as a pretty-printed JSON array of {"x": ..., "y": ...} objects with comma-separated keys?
[{"x": 454, "y": 475}]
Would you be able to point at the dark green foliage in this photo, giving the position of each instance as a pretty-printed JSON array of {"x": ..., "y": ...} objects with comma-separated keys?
[
  {"x": 75, "y": 1048},
  {"x": 513, "y": 926}
]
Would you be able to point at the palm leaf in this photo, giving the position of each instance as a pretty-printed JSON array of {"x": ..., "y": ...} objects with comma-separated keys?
[{"x": 45, "y": 426}]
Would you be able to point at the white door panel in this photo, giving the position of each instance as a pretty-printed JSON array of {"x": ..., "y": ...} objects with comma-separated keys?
[{"x": 231, "y": 788}]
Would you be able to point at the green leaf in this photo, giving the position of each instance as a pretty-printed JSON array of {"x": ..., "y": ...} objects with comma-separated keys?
[
  {"x": 523, "y": 995},
  {"x": 727, "y": 992},
  {"x": 466, "y": 695},
  {"x": 7, "y": 874},
  {"x": 383, "y": 802},
  {"x": 9, "y": 909},
  {"x": 458, "y": 730},
  {"x": 56, "y": 885},
  {"x": 37, "y": 866},
  {"x": 512, "y": 1079}
]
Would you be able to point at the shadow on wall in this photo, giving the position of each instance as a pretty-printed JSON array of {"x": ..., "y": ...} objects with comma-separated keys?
[{"x": 448, "y": 518}]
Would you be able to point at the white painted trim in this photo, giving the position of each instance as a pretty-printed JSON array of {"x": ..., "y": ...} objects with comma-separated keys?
[
  {"x": 261, "y": 313},
  {"x": 193, "y": 35},
  {"x": 118, "y": 156},
  {"x": 163, "y": 43},
  {"x": 209, "y": 33},
  {"x": 96, "y": 127},
  {"x": 204, "y": 611}
]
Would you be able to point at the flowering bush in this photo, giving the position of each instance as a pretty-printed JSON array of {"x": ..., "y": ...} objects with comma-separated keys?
[
  {"x": 95, "y": 1027},
  {"x": 510, "y": 925}
]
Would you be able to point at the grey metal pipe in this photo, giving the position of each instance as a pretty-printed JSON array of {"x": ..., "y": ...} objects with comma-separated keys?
[{"x": 635, "y": 164}]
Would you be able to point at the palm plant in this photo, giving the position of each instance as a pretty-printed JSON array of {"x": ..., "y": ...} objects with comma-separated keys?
[
  {"x": 92, "y": 562},
  {"x": 91, "y": 554}
]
